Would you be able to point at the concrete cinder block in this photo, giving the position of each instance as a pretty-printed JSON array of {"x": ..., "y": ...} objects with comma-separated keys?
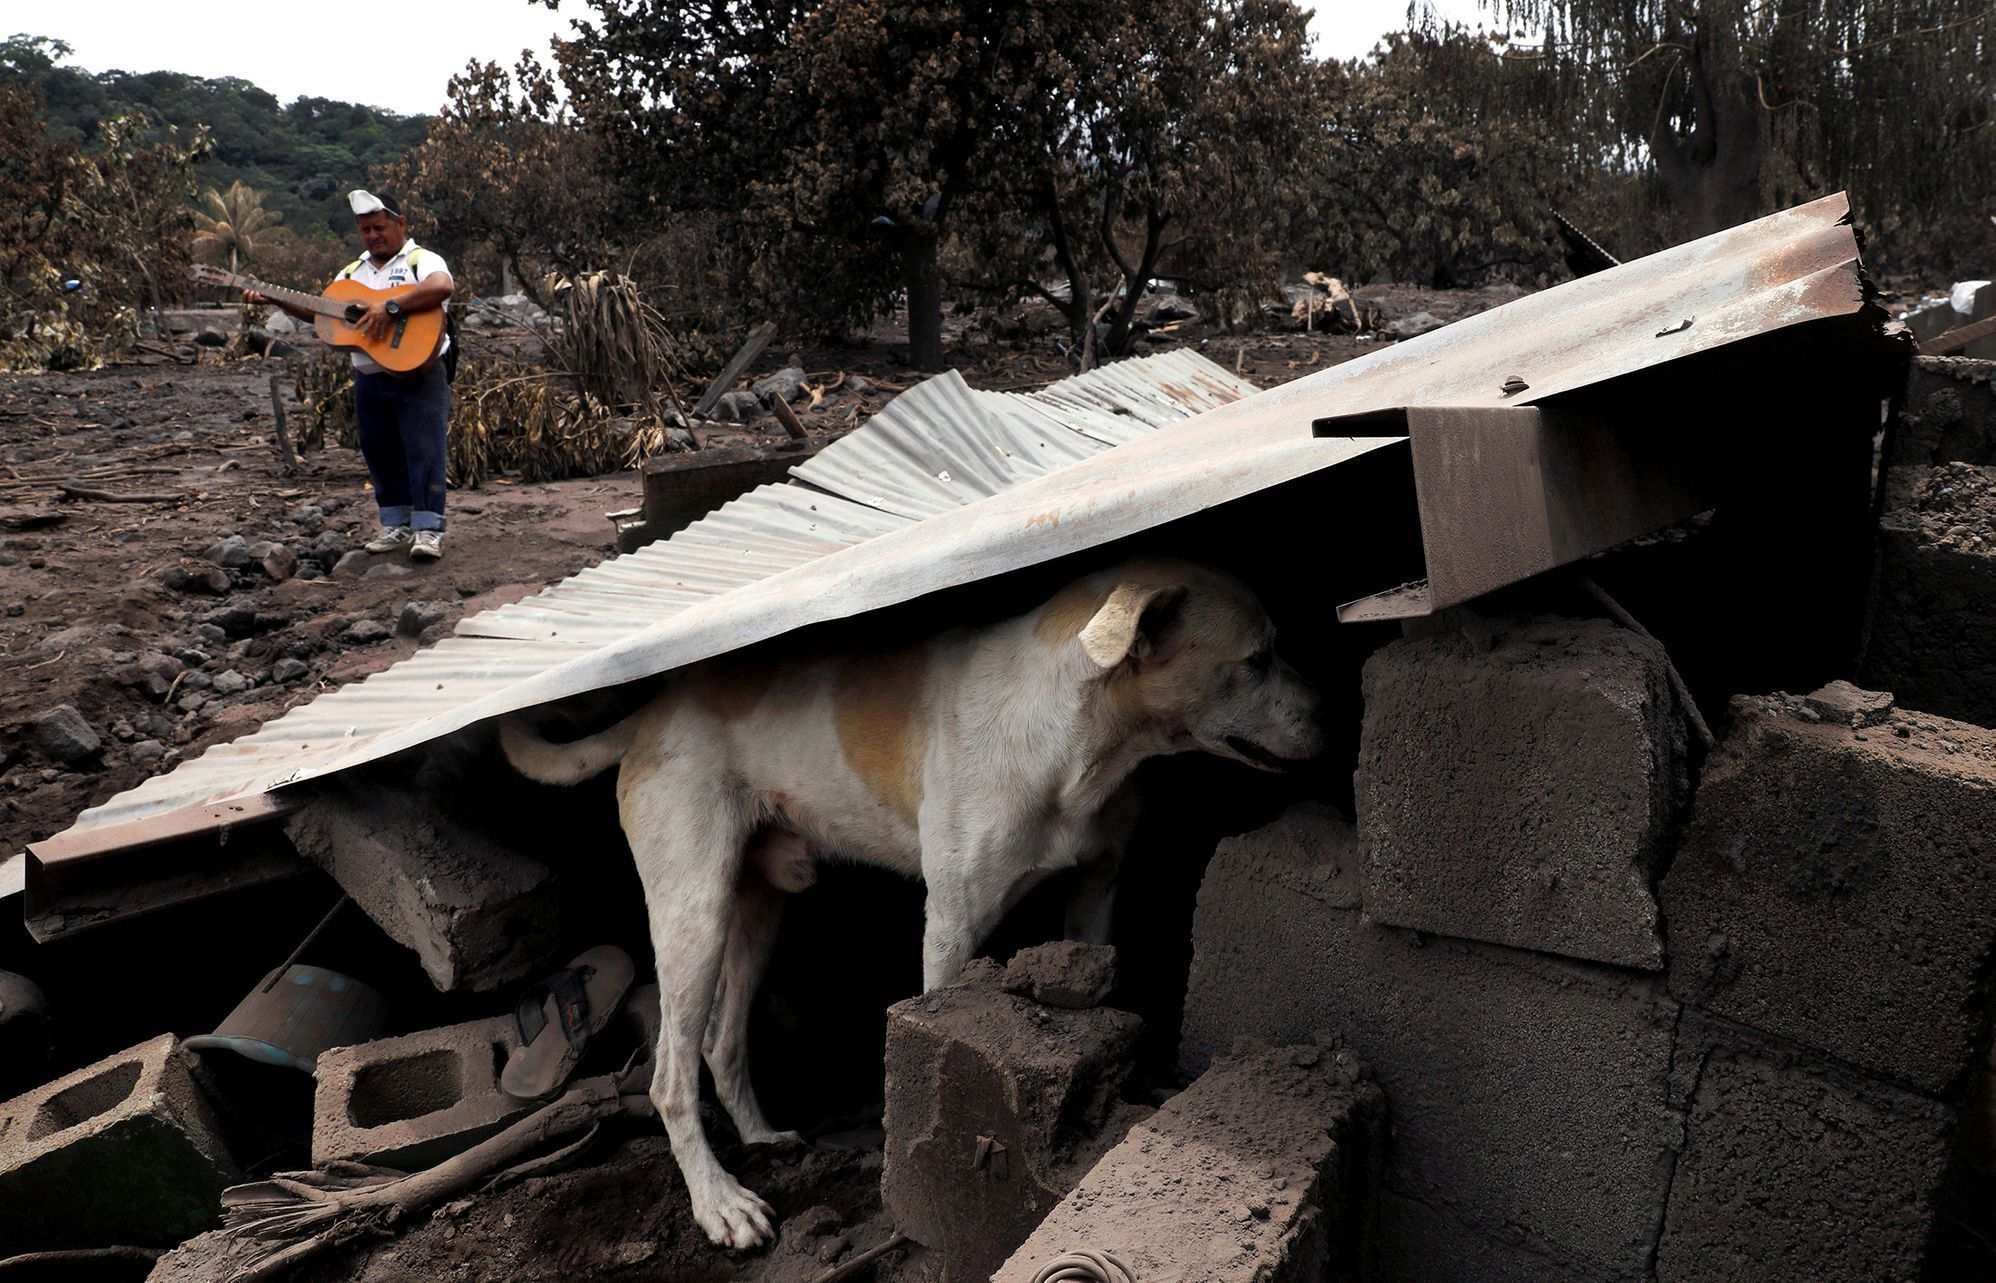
[
  {"x": 995, "y": 1107},
  {"x": 127, "y": 1151},
  {"x": 1426, "y": 1241},
  {"x": 1522, "y": 786},
  {"x": 1949, "y": 417},
  {"x": 478, "y": 914},
  {"x": 1529, "y": 1093},
  {"x": 413, "y": 1101},
  {"x": 1936, "y": 604},
  {"x": 1794, "y": 1169},
  {"x": 1261, "y": 1170},
  {"x": 1836, "y": 887}
]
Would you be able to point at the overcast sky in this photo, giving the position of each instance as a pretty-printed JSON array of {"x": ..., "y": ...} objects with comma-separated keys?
[{"x": 328, "y": 51}]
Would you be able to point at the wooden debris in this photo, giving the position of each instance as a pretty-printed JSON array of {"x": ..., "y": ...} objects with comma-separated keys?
[
  {"x": 1958, "y": 338},
  {"x": 71, "y": 490},
  {"x": 787, "y": 417},
  {"x": 298, "y": 1215},
  {"x": 286, "y": 459},
  {"x": 758, "y": 339}
]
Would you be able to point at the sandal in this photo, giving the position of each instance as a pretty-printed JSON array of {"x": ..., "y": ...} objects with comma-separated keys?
[{"x": 559, "y": 1015}]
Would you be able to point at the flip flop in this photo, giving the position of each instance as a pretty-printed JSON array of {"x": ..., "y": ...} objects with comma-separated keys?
[{"x": 559, "y": 1015}]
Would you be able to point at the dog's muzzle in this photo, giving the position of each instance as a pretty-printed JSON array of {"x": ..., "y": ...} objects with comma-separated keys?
[{"x": 1255, "y": 754}]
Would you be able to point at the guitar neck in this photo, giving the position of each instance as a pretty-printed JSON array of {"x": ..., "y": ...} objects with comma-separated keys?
[{"x": 314, "y": 303}]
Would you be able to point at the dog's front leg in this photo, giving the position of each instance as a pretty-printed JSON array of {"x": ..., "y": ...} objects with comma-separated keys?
[
  {"x": 965, "y": 904},
  {"x": 687, "y": 835},
  {"x": 1091, "y": 905}
]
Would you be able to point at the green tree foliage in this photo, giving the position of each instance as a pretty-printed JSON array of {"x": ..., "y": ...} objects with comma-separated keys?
[
  {"x": 304, "y": 156},
  {"x": 235, "y": 225},
  {"x": 1738, "y": 107}
]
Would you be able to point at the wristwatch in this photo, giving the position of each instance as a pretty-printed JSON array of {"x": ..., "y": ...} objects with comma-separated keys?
[{"x": 393, "y": 307}]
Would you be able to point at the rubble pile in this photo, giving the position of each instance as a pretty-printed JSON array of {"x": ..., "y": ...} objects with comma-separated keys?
[{"x": 1638, "y": 923}]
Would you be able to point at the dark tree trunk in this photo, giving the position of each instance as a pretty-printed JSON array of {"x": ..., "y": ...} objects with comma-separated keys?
[
  {"x": 1712, "y": 175},
  {"x": 1079, "y": 309},
  {"x": 924, "y": 283},
  {"x": 1120, "y": 338}
]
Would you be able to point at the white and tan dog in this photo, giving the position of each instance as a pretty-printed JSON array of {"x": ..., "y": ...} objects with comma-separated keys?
[{"x": 981, "y": 761}]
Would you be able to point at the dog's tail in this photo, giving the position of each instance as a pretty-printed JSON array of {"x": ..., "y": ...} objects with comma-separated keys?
[{"x": 570, "y": 763}]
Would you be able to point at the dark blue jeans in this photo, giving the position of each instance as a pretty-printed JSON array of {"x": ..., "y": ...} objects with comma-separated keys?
[{"x": 404, "y": 427}]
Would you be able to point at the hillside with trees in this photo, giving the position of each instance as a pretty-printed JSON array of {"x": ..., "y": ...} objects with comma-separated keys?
[{"x": 303, "y": 156}]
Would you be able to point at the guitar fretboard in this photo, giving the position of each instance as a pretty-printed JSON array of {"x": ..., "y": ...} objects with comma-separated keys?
[{"x": 315, "y": 303}]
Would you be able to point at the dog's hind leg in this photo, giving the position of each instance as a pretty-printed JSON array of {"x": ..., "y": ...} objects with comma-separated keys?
[
  {"x": 687, "y": 832},
  {"x": 751, "y": 936}
]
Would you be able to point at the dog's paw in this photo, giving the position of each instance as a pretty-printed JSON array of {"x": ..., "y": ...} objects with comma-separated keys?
[
  {"x": 772, "y": 1137},
  {"x": 732, "y": 1215}
]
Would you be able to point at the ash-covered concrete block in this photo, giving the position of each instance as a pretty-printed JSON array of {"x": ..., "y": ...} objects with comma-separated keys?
[
  {"x": 1063, "y": 973},
  {"x": 126, "y": 1151},
  {"x": 479, "y": 914},
  {"x": 1529, "y": 1093},
  {"x": 413, "y": 1101},
  {"x": 1837, "y": 887},
  {"x": 1522, "y": 786},
  {"x": 995, "y": 1107},
  {"x": 1935, "y": 611},
  {"x": 1427, "y": 1241},
  {"x": 1795, "y": 1169},
  {"x": 1949, "y": 417},
  {"x": 1261, "y": 1170}
]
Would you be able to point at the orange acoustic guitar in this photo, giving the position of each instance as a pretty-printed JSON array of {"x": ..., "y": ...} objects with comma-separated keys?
[{"x": 409, "y": 346}]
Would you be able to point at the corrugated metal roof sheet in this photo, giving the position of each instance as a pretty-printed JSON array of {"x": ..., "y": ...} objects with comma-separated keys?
[
  {"x": 909, "y": 510},
  {"x": 937, "y": 446}
]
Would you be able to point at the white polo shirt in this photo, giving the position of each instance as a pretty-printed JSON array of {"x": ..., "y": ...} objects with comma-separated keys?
[{"x": 396, "y": 271}]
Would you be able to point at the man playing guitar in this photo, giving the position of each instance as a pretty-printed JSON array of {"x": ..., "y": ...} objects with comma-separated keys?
[{"x": 403, "y": 420}]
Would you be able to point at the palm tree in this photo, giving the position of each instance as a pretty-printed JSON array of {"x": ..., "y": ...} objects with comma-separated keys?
[{"x": 238, "y": 216}]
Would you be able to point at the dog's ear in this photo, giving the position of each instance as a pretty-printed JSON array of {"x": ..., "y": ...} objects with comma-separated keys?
[{"x": 1137, "y": 622}]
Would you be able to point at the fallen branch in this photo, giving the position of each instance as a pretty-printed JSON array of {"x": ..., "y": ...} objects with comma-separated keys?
[
  {"x": 286, "y": 459},
  {"x": 71, "y": 490},
  {"x": 70, "y": 1255},
  {"x": 849, "y": 1268},
  {"x": 159, "y": 350},
  {"x": 787, "y": 417},
  {"x": 302, "y": 1214}
]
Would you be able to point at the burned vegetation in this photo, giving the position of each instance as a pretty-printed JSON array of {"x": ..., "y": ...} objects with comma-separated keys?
[{"x": 1075, "y": 646}]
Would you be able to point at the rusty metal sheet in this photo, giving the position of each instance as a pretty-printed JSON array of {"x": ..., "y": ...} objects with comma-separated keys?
[
  {"x": 945, "y": 444},
  {"x": 1789, "y": 269},
  {"x": 1508, "y": 493},
  {"x": 941, "y": 445}
]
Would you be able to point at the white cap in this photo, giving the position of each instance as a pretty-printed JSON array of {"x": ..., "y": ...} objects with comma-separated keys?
[{"x": 366, "y": 202}]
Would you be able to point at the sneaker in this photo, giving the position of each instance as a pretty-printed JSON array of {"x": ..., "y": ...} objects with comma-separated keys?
[
  {"x": 429, "y": 545},
  {"x": 391, "y": 539}
]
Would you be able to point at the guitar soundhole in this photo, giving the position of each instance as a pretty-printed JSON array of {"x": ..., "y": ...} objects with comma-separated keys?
[{"x": 354, "y": 312}]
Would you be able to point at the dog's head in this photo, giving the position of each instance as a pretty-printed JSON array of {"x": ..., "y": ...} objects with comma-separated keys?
[{"x": 1189, "y": 652}]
